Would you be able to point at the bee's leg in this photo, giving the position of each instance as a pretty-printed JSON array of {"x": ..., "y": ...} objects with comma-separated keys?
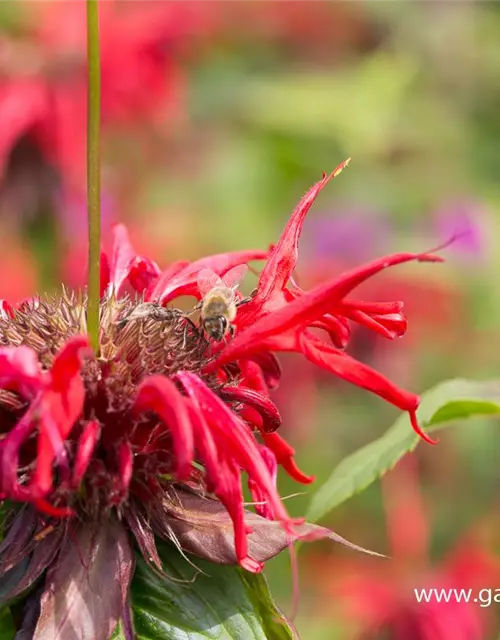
[
  {"x": 232, "y": 330},
  {"x": 244, "y": 301},
  {"x": 196, "y": 308},
  {"x": 184, "y": 338},
  {"x": 120, "y": 324}
]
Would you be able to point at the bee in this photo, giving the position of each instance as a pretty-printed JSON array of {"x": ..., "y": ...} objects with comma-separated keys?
[
  {"x": 220, "y": 302},
  {"x": 154, "y": 311},
  {"x": 148, "y": 310}
]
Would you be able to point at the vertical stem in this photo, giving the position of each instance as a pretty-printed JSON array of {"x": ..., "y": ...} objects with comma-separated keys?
[{"x": 93, "y": 172}]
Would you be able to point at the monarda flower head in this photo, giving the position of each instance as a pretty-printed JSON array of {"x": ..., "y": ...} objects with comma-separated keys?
[{"x": 150, "y": 436}]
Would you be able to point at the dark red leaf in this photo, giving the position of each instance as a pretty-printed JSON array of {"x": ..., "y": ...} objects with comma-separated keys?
[
  {"x": 144, "y": 537},
  {"x": 86, "y": 590},
  {"x": 41, "y": 557},
  {"x": 203, "y": 527}
]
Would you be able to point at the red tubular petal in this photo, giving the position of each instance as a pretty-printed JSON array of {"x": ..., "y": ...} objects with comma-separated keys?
[
  {"x": 284, "y": 454},
  {"x": 67, "y": 363},
  {"x": 261, "y": 506},
  {"x": 417, "y": 428},
  {"x": 309, "y": 307},
  {"x": 123, "y": 253},
  {"x": 105, "y": 274},
  {"x": 20, "y": 370},
  {"x": 9, "y": 451},
  {"x": 143, "y": 273},
  {"x": 185, "y": 281},
  {"x": 84, "y": 450},
  {"x": 206, "y": 448},
  {"x": 270, "y": 367},
  {"x": 283, "y": 258},
  {"x": 251, "y": 417},
  {"x": 395, "y": 322},
  {"x": 125, "y": 465},
  {"x": 160, "y": 395},
  {"x": 230, "y": 433},
  {"x": 370, "y": 323},
  {"x": 164, "y": 278},
  {"x": 230, "y": 494},
  {"x": 361, "y": 375},
  {"x": 56, "y": 512},
  {"x": 252, "y": 376},
  {"x": 338, "y": 329},
  {"x": 371, "y": 307},
  {"x": 60, "y": 406},
  {"x": 265, "y": 407},
  {"x": 127, "y": 267},
  {"x": 346, "y": 367}
]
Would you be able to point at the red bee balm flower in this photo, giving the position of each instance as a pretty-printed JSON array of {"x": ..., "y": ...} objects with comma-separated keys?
[
  {"x": 43, "y": 82},
  {"x": 152, "y": 434}
]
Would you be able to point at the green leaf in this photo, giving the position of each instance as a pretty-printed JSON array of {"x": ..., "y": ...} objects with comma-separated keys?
[
  {"x": 7, "y": 629},
  {"x": 118, "y": 633},
  {"x": 443, "y": 405},
  {"x": 203, "y": 601}
]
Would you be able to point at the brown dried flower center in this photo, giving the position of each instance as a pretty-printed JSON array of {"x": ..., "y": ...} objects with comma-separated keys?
[{"x": 137, "y": 340}]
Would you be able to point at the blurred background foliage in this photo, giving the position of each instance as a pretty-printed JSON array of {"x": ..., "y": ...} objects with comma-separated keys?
[{"x": 219, "y": 116}]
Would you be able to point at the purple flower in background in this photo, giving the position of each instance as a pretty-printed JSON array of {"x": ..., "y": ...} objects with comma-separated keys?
[
  {"x": 463, "y": 219},
  {"x": 350, "y": 234}
]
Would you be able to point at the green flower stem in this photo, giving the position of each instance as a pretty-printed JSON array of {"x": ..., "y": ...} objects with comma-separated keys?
[{"x": 93, "y": 172}]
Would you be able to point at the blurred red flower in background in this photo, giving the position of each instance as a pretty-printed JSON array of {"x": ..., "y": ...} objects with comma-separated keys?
[
  {"x": 378, "y": 596},
  {"x": 19, "y": 275},
  {"x": 43, "y": 77}
]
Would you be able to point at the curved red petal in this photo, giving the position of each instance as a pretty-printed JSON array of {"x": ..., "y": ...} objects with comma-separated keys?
[
  {"x": 84, "y": 449},
  {"x": 125, "y": 465},
  {"x": 232, "y": 434},
  {"x": 283, "y": 258},
  {"x": 104, "y": 274},
  {"x": 309, "y": 307},
  {"x": 284, "y": 454},
  {"x": 262, "y": 404},
  {"x": 20, "y": 370},
  {"x": 161, "y": 396},
  {"x": 142, "y": 273},
  {"x": 60, "y": 405},
  {"x": 185, "y": 281},
  {"x": 164, "y": 278}
]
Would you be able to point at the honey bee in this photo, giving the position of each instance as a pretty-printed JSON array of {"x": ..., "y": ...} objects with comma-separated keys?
[
  {"x": 148, "y": 310},
  {"x": 219, "y": 303},
  {"x": 154, "y": 311}
]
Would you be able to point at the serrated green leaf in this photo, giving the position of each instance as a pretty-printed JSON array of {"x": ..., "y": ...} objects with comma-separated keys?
[
  {"x": 216, "y": 602},
  {"x": 7, "y": 629},
  {"x": 451, "y": 401}
]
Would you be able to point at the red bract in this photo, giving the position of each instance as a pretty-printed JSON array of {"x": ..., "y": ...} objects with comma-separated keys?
[
  {"x": 43, "y": 79},
  {"x": 154, "y": 432}
]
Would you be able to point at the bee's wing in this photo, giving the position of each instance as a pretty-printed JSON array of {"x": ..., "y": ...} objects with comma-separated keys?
[
  {"x": 207, "y": 280},
  {"x": 234, "y": 276}
]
